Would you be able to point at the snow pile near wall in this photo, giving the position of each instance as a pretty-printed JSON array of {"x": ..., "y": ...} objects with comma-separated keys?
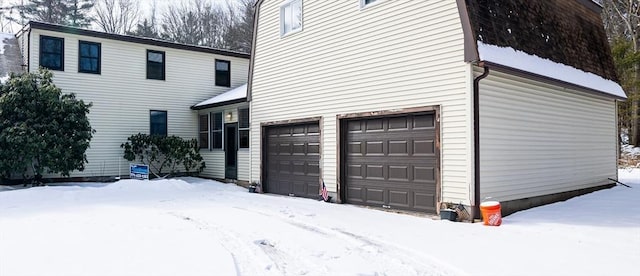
[{"x": 544, "y": 67}]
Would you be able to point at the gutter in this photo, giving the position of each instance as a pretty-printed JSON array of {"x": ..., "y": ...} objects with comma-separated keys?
[{"x": 476, "y": 140}]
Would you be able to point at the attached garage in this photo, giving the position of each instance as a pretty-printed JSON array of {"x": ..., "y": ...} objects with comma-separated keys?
[
  {"x": 292, "y": 156},
  {"x": 391, "y": 161}
]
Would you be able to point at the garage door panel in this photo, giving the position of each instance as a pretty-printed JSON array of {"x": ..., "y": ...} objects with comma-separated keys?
[
  {"x": 391, "y": 161},
  {"x": 375, "y": 196},
  {"x": 424, "y": 174},
  {"x": 399, "y": 173},
  {"x": 399, "y": 147},
  {"x": 313, "y": 169},
  {"x": 424, "y": 201},
  {"x": 425, "y": 121},
  {"x": 398, "y": 123},
  {"x": 313, "y": 148},
  {"x": 357, "y": 195},
  {"x": 399, "y": 198},
  {"x": 424, "y": 147},
  {"x": 374, "y": 125},
  {"x": 293, "y": 158}
]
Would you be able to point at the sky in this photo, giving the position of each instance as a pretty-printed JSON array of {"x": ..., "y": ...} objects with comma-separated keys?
[{"x": 145, "y": 8}]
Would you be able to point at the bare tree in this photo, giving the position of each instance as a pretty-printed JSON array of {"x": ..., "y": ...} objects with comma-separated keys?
[
  {"x": 240, "y": 34},
  {"x": 196, "y": 22},
  {"x": 117, "y": 16}
]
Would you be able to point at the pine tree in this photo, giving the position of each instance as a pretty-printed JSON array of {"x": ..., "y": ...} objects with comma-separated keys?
[
  {"x": 62, "y": 12},
  {"x": 78, "y": 10},
  {"x": 146, "y": 29}
]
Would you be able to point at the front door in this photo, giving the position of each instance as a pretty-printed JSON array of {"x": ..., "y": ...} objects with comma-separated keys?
[{"x": 231, "y": 151}]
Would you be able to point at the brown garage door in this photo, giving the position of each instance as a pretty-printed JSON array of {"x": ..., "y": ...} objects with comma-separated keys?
[
  {"x": 391, "y": 162},
  {"x": 293, "y": 160}
]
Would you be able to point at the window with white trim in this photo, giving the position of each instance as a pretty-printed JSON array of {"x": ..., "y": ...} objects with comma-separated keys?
[
  {"x": 216, "y": 130},
  {"x": 291, "y": 17}
]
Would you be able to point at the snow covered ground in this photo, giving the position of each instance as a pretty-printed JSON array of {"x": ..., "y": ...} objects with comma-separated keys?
[{"x": 192, "y": 226}]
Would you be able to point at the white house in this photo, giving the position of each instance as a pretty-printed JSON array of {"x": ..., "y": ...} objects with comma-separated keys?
[
  {"x": 406, "y": 104},
  {"x": 139, "y": 85}
]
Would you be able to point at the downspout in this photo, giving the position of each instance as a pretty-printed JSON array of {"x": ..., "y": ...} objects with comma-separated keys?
[
  {"x": 476, "y": 140},
  {"x": 29, "y": 50}
]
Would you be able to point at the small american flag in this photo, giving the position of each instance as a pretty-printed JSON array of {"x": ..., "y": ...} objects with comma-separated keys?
[{"x": 324, "y": 193}]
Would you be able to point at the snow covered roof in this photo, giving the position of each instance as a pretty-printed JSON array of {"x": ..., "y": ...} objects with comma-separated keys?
[
  {"x": 557, "y": 39},
  {"x": 516, "y": 59},
  {"x": 238, "y": 94}
]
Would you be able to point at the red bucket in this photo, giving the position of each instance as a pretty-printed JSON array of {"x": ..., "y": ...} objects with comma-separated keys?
[{"x": 491, "y": 214}]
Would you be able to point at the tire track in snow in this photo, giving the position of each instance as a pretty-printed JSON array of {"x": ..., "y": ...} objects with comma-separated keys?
[
  {"x": 273, "y": 261},
  {"x": 392, "y": 257}
]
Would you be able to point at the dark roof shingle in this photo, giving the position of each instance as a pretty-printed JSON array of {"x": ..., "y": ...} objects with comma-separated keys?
[{"x": 565, "y": 31}]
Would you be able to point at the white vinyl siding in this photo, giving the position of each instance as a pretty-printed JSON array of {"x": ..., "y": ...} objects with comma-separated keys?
[
  {"x": 348, "y": 61},
  {"x": 122, "y": 96},
  {"x": 538, "y": 139}
]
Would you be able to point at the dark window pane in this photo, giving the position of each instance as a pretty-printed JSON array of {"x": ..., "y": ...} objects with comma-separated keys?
[
  {"x": 52, "y": 52},
  {"x": 223, "y": 75},
  {"x": 158, "y": 123},
  {"x": 84, "y": 50},
  {"x": 94, "y": 50},
  {"x": 155, "y": 65},
  {"x": 217, "y": 139},
  {"x": 204, "y": 123},
  {"x": 244, "y": 138},
  {"x": 51, "y": 61},
  {"x": 216, "y": 122},
  {"x": 243, "y": 118},
  {"x": 203, "y": 140},
  {"x": 155, "y": 57},
  {"x": 89, "y": 57}
]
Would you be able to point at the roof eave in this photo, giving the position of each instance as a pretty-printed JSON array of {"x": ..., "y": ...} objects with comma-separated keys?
[
  {"x": 134, "y": 39},
  {"x": 219, "y": 104},
  {"x": 545, "y": 79}
]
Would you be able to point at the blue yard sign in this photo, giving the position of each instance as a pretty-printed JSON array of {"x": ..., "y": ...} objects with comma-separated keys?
[{"x": 138, "y": 171}]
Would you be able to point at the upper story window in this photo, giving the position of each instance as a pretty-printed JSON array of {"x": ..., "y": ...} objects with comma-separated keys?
[
  {"x": 158, "y": 123},
  {"x": 223, "y": 73},
  {"x": 52, "y": 53},
  {"x": 89, "y": 57},
  {"x": 155, "y": 65},
  {"x": 365, "y": 3},
  {"x": 291, "y": 17}
]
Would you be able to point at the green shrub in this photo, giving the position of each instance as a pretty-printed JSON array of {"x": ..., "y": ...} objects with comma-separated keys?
[
  {"x": 164, "y": 153},
  {"x": 41, "y": 129}
]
